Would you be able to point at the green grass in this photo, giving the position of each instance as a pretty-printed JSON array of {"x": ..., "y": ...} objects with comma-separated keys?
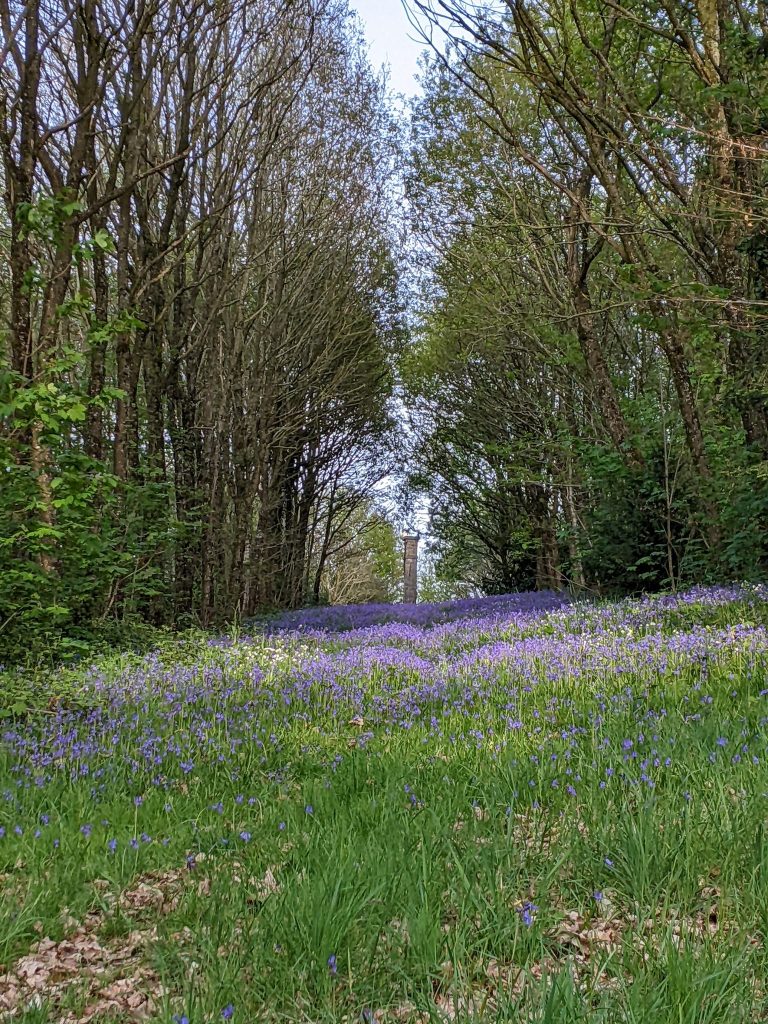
[{"x": 409, "y": 856}]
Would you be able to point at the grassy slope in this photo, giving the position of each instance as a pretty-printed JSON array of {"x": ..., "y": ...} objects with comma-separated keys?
[{"x": 554, "y": 817}]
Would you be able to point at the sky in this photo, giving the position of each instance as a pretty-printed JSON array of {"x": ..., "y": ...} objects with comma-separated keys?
[{"x": 392, "y": 41}]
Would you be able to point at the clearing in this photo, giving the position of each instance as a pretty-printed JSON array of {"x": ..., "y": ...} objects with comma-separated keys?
[{"x": 504, "y": 809}]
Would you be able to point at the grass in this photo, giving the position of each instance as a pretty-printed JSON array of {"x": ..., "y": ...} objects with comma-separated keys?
[{"x": 550, "y": 816}]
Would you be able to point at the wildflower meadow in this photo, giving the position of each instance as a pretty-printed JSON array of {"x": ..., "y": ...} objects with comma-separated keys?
[{"x": 514, "y": 808}]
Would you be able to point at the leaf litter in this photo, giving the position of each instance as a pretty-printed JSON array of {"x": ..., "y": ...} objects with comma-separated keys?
[{"x": 110, "y": 978}]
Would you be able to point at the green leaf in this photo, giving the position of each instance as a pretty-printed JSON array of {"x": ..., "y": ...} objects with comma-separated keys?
[
  {"x": 76, "y": 412},
  {"x": 103, "y": 240},
  {"x": 73, "y": 206}
]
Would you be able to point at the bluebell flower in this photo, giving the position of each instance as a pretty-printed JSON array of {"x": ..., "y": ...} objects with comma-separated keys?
[{"x": 526, "y": 912}]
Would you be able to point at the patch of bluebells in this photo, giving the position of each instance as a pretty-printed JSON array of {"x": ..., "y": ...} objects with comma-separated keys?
[{"x": 488, "y": 666}]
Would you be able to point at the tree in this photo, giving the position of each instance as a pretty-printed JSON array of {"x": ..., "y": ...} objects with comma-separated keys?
[
  {"x": 603, "y": 186},
  {"x": 200, "y": 273}
]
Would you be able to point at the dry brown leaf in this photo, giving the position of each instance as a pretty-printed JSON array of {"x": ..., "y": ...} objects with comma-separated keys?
[
  {"x": 406, "y": 1012},
  {"x": 472, "y": 1005},
  {"x": 266, "y": 886},
  {"x": 159, "y": 891}
]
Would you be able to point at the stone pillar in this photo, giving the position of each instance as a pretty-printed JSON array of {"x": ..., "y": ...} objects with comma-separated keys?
[{"x": 410, "y": 566}]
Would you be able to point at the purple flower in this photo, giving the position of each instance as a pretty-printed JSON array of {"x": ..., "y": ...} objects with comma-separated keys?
[
  {"x": 309, "y": 809},
  {"x": 526, "y": 912},
  {"x": 245, "y": 836},
  {"x": 112, "y": 845},
  {"x": 228, "y": 1012},
  {"x": 332, "y": 963}
]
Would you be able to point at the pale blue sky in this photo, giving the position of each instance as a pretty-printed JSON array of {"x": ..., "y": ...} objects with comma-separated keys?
[{"x": 388, "y": 30}]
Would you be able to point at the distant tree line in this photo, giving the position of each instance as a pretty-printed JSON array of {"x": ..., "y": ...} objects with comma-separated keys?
[
  {"x": 589, "y": 391},
  {"x": 199, "y": 307}
]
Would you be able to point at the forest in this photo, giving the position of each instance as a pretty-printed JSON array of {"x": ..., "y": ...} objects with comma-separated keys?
[
  {"x": 255, "y": 315},
  {"x": 589, "y": 384},
  {"x": 261, "y": 319},
  {"x": 200, "y": 309}
]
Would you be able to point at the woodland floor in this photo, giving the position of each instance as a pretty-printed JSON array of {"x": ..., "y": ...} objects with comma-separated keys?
[{"x": 508, "y": 809}]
